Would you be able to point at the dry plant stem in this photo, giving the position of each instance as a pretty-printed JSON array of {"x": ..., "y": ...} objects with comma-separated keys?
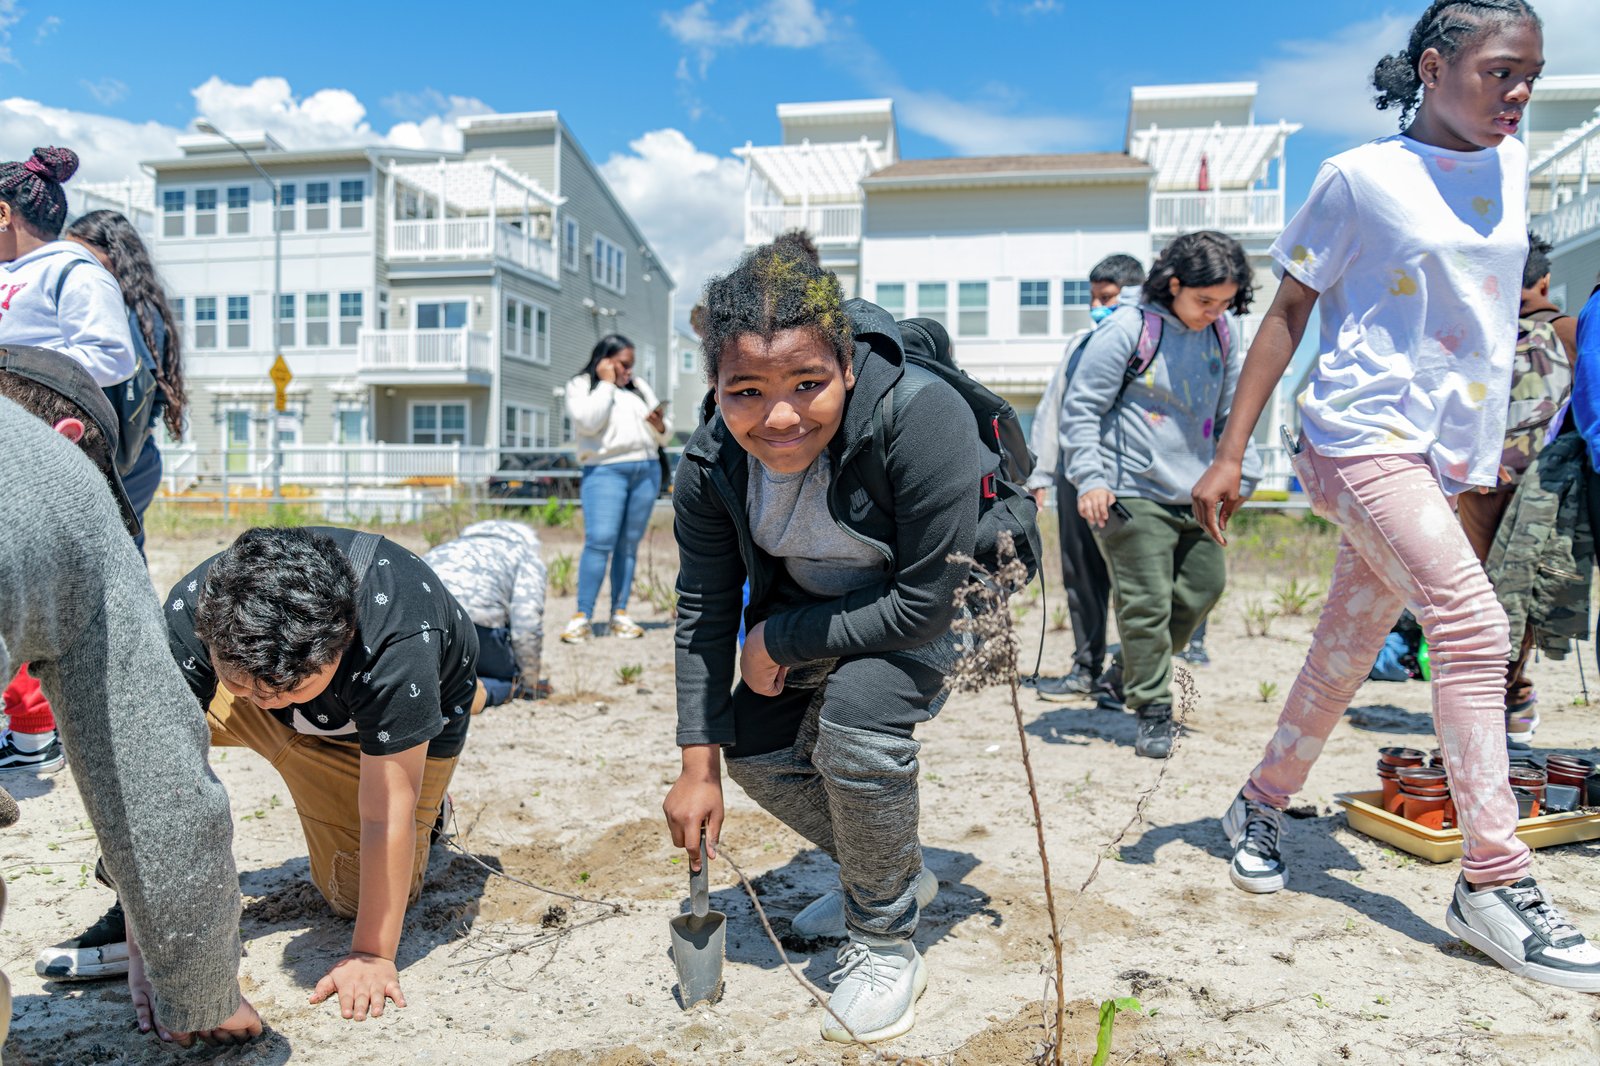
[
  {"x": 613, "y": 908},
  {"x": 816, "y": 993}
]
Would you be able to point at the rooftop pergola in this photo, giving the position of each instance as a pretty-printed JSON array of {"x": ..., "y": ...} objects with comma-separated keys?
[
  {"x": 1236, "y": 157},
  {"x": 474, "y": 187},
  {"x": 817, "y": 173}
]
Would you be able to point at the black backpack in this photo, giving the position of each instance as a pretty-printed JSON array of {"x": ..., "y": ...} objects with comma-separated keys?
[
  {"x": 133, "y": 400},
  {"x": 1004, "y": 502}
]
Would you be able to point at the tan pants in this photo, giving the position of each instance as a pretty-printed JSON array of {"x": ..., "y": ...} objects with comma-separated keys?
[{"x": 324, "y": 779}]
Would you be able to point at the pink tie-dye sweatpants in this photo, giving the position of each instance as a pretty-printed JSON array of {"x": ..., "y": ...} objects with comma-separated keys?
[{"x": 1402, "y": 547}]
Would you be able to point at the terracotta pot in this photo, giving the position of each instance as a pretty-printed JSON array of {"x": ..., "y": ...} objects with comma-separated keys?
[
  {"x": 1568, "y": 770},
  {"x": 1426, "y": 810},
  {"x": 1436, "y": 759},
  {"x": 1529, "y": 779},
  {"x": 1423, "y": 780},
  {"x": 1389, "y": 780},
  {"x": 1398, "y": 757}
]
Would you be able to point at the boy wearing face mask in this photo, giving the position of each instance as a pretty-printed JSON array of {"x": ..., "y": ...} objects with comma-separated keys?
[{"x": 1083, "y": 569}]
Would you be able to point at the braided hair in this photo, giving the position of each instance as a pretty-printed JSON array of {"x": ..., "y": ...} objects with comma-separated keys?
[
  {"x": 775, "y": 287},
  {"x": 1447, "y": 26},
  {"x": 32, "y": 187},
  {"x": 114, "y": 235}
]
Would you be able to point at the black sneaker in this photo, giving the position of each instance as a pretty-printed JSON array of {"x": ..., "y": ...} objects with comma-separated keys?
[
  {"x": 1521, "y": 929},
  {"x": 1108, "y": 690},
  {"x": 1065, "y": 689},
  {"x": 1156, "y": 732},
  {"x": 1195, "y": 654},
  {"x": 99, "y": 951},
  {"x": 1252, "y": 830},
  {"x": 47, "y": 759}
]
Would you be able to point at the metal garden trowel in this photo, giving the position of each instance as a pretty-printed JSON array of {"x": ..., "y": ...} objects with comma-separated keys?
[{"x": 698, "y": 939}]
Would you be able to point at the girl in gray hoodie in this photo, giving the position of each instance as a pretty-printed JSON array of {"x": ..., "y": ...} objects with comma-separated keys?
[{"x": 1136, "y": 433}]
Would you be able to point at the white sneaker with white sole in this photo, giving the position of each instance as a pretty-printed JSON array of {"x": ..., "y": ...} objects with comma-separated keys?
[
  {"x": 824, "y": 916},
  {"x": 1521, "y": 929},
  {"x": 879, "y": 983},
  {"x": 1252, "y": 830}
]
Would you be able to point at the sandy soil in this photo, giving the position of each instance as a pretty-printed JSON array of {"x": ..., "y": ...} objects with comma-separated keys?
[{"x": 1351, "y": 963}]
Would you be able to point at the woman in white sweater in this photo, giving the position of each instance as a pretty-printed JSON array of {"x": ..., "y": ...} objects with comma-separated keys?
[{"x": 620, "y": 427}]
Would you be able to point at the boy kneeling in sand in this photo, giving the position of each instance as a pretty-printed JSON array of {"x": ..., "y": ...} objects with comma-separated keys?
[
  {"x": 850, "y": 603},
  {"x": 342, "y": 659}
]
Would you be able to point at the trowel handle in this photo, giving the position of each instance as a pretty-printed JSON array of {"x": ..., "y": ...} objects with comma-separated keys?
[{"x": 700, "y": 882}]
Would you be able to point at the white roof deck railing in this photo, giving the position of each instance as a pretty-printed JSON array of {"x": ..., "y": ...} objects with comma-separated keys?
[
  {"x": 466, "y": 210},
  {"x": 1567, "y": 179},
  {"x": 1238, "y": 212},
  {"x": 828, "y": 224},
  {"x": 424, "y": 350}
]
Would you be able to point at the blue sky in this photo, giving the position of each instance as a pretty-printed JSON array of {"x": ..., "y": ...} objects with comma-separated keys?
[{"x": 660, "y": 92}]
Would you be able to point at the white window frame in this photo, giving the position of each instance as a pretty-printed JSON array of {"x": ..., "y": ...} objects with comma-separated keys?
[
  {"x": 1083, "y": 289},
  {"x": 354, "y": 323},
  {"x": 877, "y": 296},
  {"x": 686, "y": 359},
  {"x": 325, "y": 207},
  {"x": 286, "y": 339},
  {"x": 438, "y": 431},
  {"x": 940, "y": 314},
  {"x": 526, "y": 426},
  {"x": 571, "y": 243},
  {"x": 442, "y": 302},
  {"x": 962, "y": 312},
  {"x": 349, "y": 407},
  {"x": 358, "y": 205},
  {"x": 209, "y": 323},
  {"x": 533, "y": 347},
  {"x": 286, "y": 207},
  {"x": 207, "y": 216},
  {"x": 174, "y": 209},
  {"x": 610, "y": 266},
  {"x": 1039, "y": 311},
  {"x": 238, "y": 217},
  {"x": 324, "y": 320}
]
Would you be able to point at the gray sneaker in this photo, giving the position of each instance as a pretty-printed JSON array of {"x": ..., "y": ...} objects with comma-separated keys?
[
  {"x": 1252, "y": 830},
  {"x": 1518, "y": 927},
  {"x": 824, "y": 916},
  {"x": 879, "y": 983}
]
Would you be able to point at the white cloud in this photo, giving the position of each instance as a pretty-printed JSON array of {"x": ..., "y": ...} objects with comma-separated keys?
[
  {"x": 1571, "y": 36},
  {"x": 109, "y": 148},
  {"x": 106, "y": 91},
  {"x": 689, "y": 203},
  {"x": 326, "y": 118},
  {"x": 1327, "y": 84},
  {"x": 779, "y": 23},
  {"x": 984, "y": 129},
  {"x": 51, "y": 24},
  {"x": 429, "y": 118},
  {"x": 10, "y": 15}
]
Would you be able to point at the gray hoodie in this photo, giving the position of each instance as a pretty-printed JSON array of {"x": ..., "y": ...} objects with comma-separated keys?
[
  {"x": 91, "y": 322},
  {"x": 1156, "y": 442}
]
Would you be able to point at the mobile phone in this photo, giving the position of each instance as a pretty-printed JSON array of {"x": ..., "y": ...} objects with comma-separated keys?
[
  {"x": 1291, "y": 443},
  {"x": 660, "y": 408},
  {"x": 1117, "y": 516}
]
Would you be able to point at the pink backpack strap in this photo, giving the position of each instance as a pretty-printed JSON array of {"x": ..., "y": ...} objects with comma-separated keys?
[{"x": 1149, "y": 343}]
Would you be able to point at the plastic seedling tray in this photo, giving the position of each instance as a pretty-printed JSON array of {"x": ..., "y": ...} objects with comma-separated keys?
[{"x": 1364, "y": 811}]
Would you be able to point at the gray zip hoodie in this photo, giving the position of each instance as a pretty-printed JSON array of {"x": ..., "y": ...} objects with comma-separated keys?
[
  {"x": 91, "y": 322},
  {"x": 1156, "y": 442}
]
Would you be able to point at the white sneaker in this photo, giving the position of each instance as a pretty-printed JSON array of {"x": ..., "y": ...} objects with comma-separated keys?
[
  {"x": 624, "y": 628},
  {"x": 879, "y": 983},
  {"x": 1518, "y": 927},
  {"x": 1252, "y": 830},
  {"x": 824, "y": 916},
  {"x": 577, "y": 631}
]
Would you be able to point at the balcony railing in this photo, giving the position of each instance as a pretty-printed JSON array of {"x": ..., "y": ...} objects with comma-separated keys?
[
  {"x": 1570, "y": 220},
  {"x": 424, "y": 350},
  {"x": 470, "y": 238},
  {"x": 1238, "y": 212},
  {"x": 827, "y": 223}
]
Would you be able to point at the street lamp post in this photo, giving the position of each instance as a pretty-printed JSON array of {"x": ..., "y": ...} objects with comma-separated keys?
[{"x": 274, "y": 445}]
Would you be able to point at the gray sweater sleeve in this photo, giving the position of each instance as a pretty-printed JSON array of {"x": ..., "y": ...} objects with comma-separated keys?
[{"x": 76, "y": 602}]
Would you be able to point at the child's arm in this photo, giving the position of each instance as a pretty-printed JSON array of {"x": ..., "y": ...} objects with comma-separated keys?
[
  {"x": 367, "y": 977},
  {"x": 1281, "y": 329}
]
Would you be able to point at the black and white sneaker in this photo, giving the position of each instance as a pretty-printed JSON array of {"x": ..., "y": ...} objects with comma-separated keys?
[
  {"x": 47, "y": 759},
  {"x": 1518, "y": 927},
  {"x": 1079, "y": 683},
  {"x": 99, "y": 951},
  {"x": 1252, "y": 830}
]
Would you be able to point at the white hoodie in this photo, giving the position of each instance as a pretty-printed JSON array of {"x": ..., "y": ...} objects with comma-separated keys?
[
  {"x": 91, "y": 323},
  {"x": 610, "y": 422}
]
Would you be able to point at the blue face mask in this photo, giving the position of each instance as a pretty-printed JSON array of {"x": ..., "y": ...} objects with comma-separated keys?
[{"x": 1098, "y": 315}]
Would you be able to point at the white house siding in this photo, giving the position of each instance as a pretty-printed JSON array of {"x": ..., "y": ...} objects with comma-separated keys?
[
  {"x": 527, "y": 151},
  {"x": 328, "y": 261},
  {"x": 1003, "y": 236},
  {"x": 1575, "y": 271}
]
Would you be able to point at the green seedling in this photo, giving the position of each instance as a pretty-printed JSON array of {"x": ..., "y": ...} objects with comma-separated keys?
[
  {"x": 555, "y": 513},
  {"x": 1109, "y": 1009},
  {"x": 583, "y": 878},
  {"x": 1258, "y": 619},
  {"x": 560, "y": 574},
  {"x": 630, "y": 674},
  {"x": 1058, "y": 619},
  {"x": 1267, "y": 690},
  {"x": 1322, "y": 1004},
  {"x": 1481, "y": 1024},
  {"x": 1295, "y": 599}
]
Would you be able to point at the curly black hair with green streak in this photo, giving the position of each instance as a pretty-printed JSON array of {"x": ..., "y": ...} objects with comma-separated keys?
[{"x": 775, "y": 287}]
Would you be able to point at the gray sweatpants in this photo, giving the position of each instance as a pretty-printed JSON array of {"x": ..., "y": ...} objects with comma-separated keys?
[{"x": 832, "y": 756}]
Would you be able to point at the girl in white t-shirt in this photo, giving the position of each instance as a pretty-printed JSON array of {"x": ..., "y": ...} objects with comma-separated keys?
[{"x": 1414, "y": 245}]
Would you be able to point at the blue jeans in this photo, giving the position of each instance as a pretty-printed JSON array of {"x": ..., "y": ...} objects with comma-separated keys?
[
  {"x": 617, "y": 500},
  {"x": 141, "y": 483},
  {"x": 497, "y": 664}
]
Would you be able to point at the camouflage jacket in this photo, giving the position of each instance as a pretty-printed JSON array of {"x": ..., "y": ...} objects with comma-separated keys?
[
  {"x": 1544, "y": 551},
  {"x": 496, "y": 574}
]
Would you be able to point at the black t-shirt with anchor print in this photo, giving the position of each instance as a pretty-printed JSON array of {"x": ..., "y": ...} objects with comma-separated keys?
[{"x": 408, "y": 678}]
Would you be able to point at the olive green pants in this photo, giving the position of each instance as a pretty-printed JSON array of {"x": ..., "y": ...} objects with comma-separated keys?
[{"x": 1166, "y": 575}]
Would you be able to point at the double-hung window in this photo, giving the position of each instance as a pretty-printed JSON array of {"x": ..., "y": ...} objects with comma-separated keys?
[
  {"x": 891, "y": 297},
  {"x": 438, "y": 423},
  {"x": 570, "y": 249},
  {"x": 316, "y": 320},
  {"x": 174, "y": 213},
  {"x": 205, "y": 321},
  {"x": 1033, "y": 303},
  {"x": 352, "y": 204},
  {"x": 933, "y": 301},
  {"x": 973, "y": 320},
  {"x": 286, "y": 316},
  {"x": 286, "y": 208},
  {"x": 316, "y": 205},
  {"x": 238, "y": 321},
  {"x": 526, "y": 330},
  {"x": 349, "y": 319},
  {"x": 205, "y": 212},
  {"x": 610, "y": 267},
  {"x": 239, "y": 209},
  {"x": 1075, "y": 294}
]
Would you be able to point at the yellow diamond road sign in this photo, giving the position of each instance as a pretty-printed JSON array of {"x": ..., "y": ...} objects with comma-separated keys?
[{"x": 281, "y": 377}]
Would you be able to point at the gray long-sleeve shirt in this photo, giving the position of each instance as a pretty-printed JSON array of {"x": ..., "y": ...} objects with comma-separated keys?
[
  {"x": 1156, "y": 442},
  {"x": 495, "y": 573},
  {"x": 76, "y": 602}
]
